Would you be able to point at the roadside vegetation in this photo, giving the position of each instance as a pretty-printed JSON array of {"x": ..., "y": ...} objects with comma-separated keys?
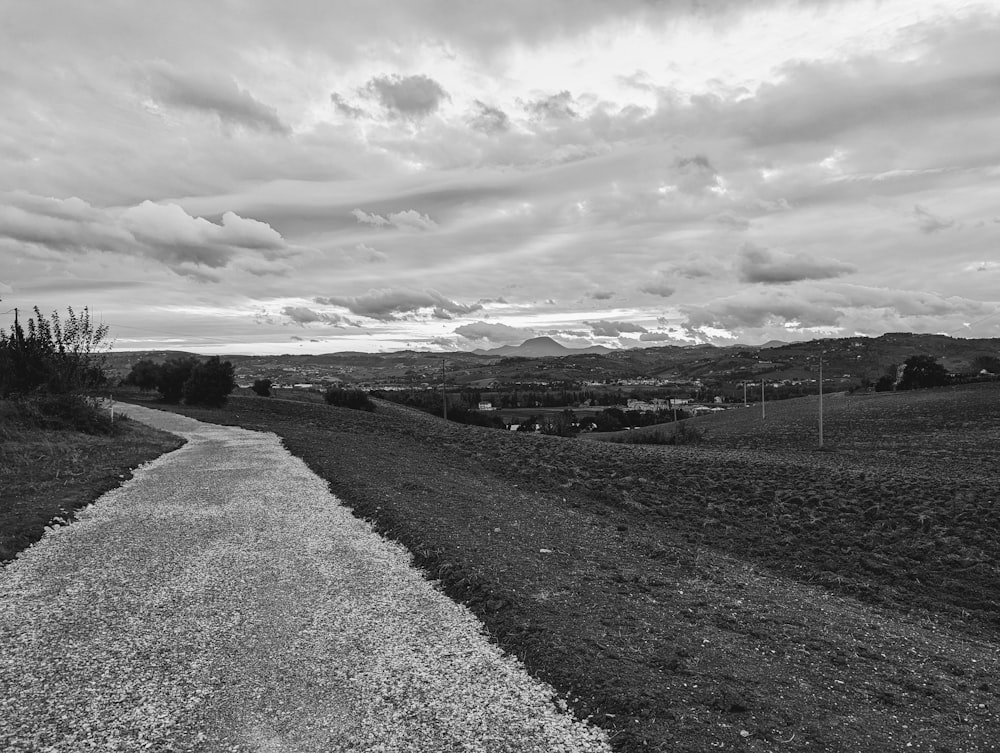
[
  {"x": 60, "y": 448},
  {"x": 743, "y": 592},
  {"x": 198, "y": 382}
]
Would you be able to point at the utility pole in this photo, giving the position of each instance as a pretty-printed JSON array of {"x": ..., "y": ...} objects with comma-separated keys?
[
  {"x": 444, "y": 393},
  {"x": 821, "y": 400},
  {"x": 762, "y": 416}
]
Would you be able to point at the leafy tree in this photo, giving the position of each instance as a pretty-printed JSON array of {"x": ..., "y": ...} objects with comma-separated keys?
[
  {"x": 262, "y": 387},
  {"x": 144, "y": 374},
  {"x": 610, "y": 419},
  {"x": 921, "y": 371},
  {"x": 210, "y": 383},
  {"x": 171, "y": 376}
]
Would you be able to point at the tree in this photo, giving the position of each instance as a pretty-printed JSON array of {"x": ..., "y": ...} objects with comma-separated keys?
[
  {"x": 171, "y": 377},
  {"x": 210, "y": 383},
  {"x": 989, "y": 364},
  {"x": 262, "y": 387},
  {"x": 144, "y": 374},
  {"x": 922, "y": 371}
]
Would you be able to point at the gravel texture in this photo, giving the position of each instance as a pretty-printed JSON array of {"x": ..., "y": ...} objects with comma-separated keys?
[{"x": 224, "y": 600}]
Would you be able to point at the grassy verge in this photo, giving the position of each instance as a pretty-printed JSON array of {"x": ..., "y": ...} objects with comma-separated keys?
[
  {"x": 47, "y": 473},
  {"x": 690, "y": 598}
]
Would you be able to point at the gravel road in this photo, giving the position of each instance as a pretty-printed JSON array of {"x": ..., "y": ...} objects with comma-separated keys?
[{"x": 224, "y": 600}]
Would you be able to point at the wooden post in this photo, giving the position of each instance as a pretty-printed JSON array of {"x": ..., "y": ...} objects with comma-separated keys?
[
  {"x": 444, "y": 393},
  {"x": 762, "y": 416},
  {"x": 821, "y": 400}
]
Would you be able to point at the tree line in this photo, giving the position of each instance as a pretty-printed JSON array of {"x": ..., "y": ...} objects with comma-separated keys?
[{"x": 198, "y": 382}]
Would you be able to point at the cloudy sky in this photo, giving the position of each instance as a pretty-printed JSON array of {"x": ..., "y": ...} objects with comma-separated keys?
[{"x": 263, "y": 177}]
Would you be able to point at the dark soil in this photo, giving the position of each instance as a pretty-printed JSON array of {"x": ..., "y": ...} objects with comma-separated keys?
[
  {"x": 692, "y": 598},
  {"x": 47, "y": 474}
]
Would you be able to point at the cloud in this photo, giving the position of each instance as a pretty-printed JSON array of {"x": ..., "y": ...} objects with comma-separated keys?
[
  {"x": 163, "y": 232},
  {"x": 659, "y": 286},
  {"x": 409, "y": 96},
  {"x": 658, "y": 337},
  {"x": 213, "y": 93},
  {"x": 928, "y": 222},
  {"x": 731, "y": 221},
  {"x": 344, "y": 108},
  {"x": 758, "y": 308},
  {"x": 385, "y": 304},
  {"x": 601, "y": 295},
  {"x": 756, "y": 264},
  {"x": 303, "y": 315},
  {"x": 695, "y": 175},
  {"x": 494, "y": 332},
  {"x": 489, "y": 119},
  {"x": 369, "y": 255},
  {"x": 604, "y": 328},
  {"x": 408, "y": 219},
  {"x": 554, "y": 107}
]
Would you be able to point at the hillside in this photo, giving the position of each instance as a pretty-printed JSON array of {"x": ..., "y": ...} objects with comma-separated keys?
[
  {"x": 847, "y": 362},
  {"x": 690, "y": 598}
]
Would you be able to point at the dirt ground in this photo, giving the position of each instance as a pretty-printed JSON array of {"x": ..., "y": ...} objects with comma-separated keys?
[{"x": 691, "y": 599}]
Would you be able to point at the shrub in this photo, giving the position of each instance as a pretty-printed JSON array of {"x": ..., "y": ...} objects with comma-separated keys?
[
  {"x": 210, "y": 383},
  {"x": 344, "y": 398},
  {"x": 65, "y": 412},
  {"x": 262, "y": 387},
  {"x": 55, "y": 355}
]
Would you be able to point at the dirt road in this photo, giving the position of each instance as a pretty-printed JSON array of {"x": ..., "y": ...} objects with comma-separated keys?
[{"x": 224, "y": 600}]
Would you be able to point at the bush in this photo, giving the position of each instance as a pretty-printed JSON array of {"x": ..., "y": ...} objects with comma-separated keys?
[
  {"x": 344, "y": 398},
  {"x": 262, "y": 387},
  {"x": 66, "y": 412},
  {"x": 210, "y": 383},
  {"x": 54, "y": 356}
]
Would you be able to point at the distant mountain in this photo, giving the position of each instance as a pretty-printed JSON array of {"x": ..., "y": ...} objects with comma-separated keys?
[
  {"x": 773, "y": 344},
  {"x": 541, "y": 347}
]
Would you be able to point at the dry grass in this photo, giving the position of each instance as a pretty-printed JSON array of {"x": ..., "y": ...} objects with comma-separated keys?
[{"x": 46, "y": 474}]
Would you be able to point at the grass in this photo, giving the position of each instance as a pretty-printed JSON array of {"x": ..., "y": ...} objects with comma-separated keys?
[
  {"x": 49, "y": 468},
  {"x": 742, "y": 593}
]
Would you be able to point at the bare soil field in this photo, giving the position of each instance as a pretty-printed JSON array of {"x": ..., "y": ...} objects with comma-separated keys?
[{"x": 749, "y": 594}]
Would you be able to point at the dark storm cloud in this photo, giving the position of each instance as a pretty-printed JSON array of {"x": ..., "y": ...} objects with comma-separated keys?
[
  {"x": 409, "y": 96},
  {"x": 756, "y": 264},
  {"x": 213, "y": 93}
]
